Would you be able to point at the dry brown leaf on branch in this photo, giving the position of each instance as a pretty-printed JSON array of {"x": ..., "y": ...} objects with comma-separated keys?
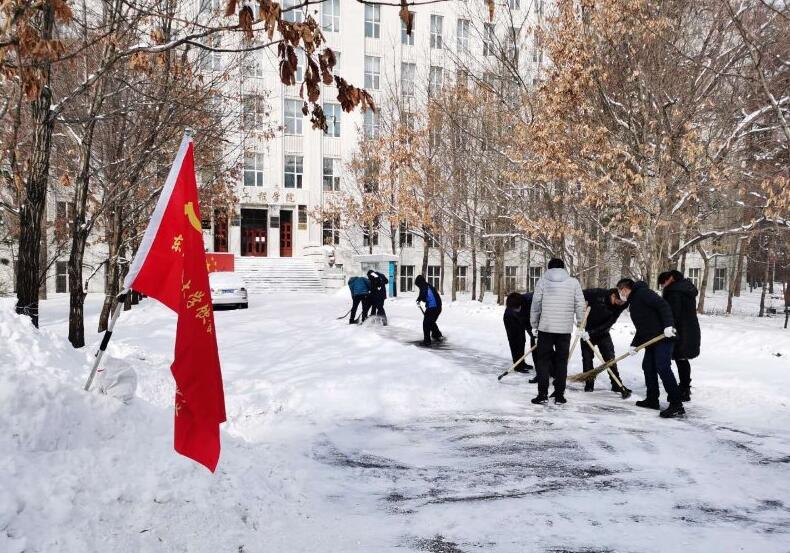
[
  {"x": 406, "y": 16},
  {"x": 318, "y": 118},
  {"x": 246, "y": 19},
  {"x": 230, "y": 8},
  {"x": 490, "y": 4}
]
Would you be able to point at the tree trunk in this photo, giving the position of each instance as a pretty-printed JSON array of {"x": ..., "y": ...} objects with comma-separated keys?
[
  {"x": 454, "y": 260},
  {"x": 766, "y": 278},
  {"x": 704, "y": 285},
  {"x": 474, "y": 265},
  {"x": 735, "y": 276},
  {"x": 441, "y": 269},
  {"x": 425, "y": 252}
]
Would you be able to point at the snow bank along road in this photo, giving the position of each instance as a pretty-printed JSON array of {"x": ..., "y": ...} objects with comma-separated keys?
[{"x": 344, "y": 438}]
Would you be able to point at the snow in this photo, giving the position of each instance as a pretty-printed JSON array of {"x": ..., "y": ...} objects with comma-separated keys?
[{"x": 348, "y": 438}]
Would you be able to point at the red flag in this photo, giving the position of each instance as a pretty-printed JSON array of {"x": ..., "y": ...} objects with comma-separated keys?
[{"x": 170, "y": 266}]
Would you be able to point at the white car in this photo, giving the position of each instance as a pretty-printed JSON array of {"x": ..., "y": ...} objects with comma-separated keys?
[{"x": 227, "y": 289}]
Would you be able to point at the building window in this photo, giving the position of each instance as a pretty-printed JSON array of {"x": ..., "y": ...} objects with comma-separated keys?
[
  {"x": 330, "y": 16},
  {"x": 372, "y": 124},
  {"x": 406, "y": 278},
  {"x": 372, "y": 21},
  {"x": 252, "y": 111},
  {"x": 332, "y": 113},
  {"x": 209, "y": 59},
  {"x": 408, "y": 74},
  {"x": 436, "y": 80},
  {"x": 331, "y": 174},
  {"x": 512, "y": 44},
  {"x": 406, "y": 237},
  {"x": 462, "y": 35},
  {"x": 534, "y": 276},
  {"x": 430, "y": 241},
  {"x": 510, "y": 278},
  {"x": 253, "y": 169},
  {"x": 370, "y": 234},
  {"x": 294, "y": 167},
  {"x": 293, "y": 117},
  {"x": 331, "y": 231},
  {"x": 301, "y": 61},
  {"x": 302, "y": 217},
  {"x": 489, "y": 39},
  {"x": 719, "y": 279},
  {"x": 409, "y": 120},
  {"x": 434, "y": 276},
  {"x": 289, "y": 13},
  {"x": 460, "y": 273},
  {"x": 437, "y": 22},
  {"x": 539, "y": 8},
  {"x": 210, "y": 6},
  {"x": 514, "y": 4},
  {"x": 372, "y": 72},
  {"x": 405, "y": 39},
  {"x": 64, "y": 213},
  {"x": 252, "y": 66},
  {"x": 61, "y": 277},
  {"x": 694, "y": 276}
]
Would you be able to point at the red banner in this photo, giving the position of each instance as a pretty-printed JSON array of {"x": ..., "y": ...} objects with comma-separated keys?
[{"x": 170, "y": 266}]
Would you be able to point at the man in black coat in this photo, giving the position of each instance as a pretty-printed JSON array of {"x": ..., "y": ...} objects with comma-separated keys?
[
  {"x": 433, "y": 308},
  {"x": 517, "y": 327},
  {"x": 605, "y": 308},
  {"x": 378, "y": 293},
  {"x": 652, "y": 316},
  {"x": 681, "y": 295}
]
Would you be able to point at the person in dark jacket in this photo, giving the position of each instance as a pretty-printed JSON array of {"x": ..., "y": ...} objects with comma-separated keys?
[
  {"x": 378, "y": 293},
  {"x": 433, "y": 308},
  {"x": 360, "y": 294},
  {"x": 681, "y": 295},
  {"x": 652, "y": 316},
  {"x": 605, "y": 308},
  {"x": 517, "y": 327}
]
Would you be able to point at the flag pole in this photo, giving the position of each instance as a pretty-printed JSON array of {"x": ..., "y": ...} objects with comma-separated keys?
[{"x": 121, "y": 299}]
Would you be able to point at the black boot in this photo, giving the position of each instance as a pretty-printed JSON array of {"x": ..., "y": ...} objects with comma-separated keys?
[
  {"x": 559, "y": 399},
  {"x": 625, "y": 393},
  {"x": 648, "y": 404},
  {"x": 523, "y": 368},
  {"x": 589, "y": 386},
  {"x": 674, "y": 410},
  {"x": 533, "y": 380},
  {"x": 540, "y": 400},
  {"x": 685, "y": 393}
]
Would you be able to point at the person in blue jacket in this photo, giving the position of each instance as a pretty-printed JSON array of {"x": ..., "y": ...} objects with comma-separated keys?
[
  {"x": 360, "y": 294},
  {"x": 433, "y": 308}
]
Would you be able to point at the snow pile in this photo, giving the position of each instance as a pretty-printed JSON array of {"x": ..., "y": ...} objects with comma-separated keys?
[{"x": 84, "y": 472}]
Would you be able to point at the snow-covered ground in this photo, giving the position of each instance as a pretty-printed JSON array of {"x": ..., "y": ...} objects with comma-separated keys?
[{"x": 349, "y": 439}]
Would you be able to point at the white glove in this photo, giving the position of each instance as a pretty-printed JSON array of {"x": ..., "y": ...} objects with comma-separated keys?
[
  {"x": 670, "y": 332},
  {"x": 632, "y": 351},
  {"x": 584, "y": 335}
]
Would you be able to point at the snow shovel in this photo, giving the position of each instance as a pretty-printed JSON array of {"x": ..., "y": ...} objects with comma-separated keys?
[
  {"x": 592, "y": 373},
  {"x": 516, "y": 364},
  {"x": 578, "y": 333},
  {"x": 611, "y": 373},
  {"x": 345, "y": 315}
]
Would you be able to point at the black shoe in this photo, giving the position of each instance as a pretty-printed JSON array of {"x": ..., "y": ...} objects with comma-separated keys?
[
  {"x": 553, "y": 394},
  {"x": 425, "y": 343},
  {"x": 685, "y": 394},
  {"x": 540, "y": 400},
  {"x": 533, "y": 380},
  {"x": 438, "y": 338},
  {"x": 559, "y": 399},
  {"x": 589, "y": 386},
  {"x": 352, "y": 322},
  {"x": 674, "y": 410},
  {"x": 625, "y": 393},
  {"x": 523, "y": 368},
  {"x": 648, "y": 404}
]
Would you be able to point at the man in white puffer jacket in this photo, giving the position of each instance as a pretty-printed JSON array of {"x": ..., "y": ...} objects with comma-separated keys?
[{"x": 558, "y": 298}]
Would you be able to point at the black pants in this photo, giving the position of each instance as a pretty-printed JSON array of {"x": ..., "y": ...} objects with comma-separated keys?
[
  {"x": 356, "y": 300},
  {"x": 429, "y": 327},
  {"x": 684, "y": 372},
  {"x": 551, "y": 355},
  {"x": 516, "y": 339},
  {"x": 589, "y": 361},
  {"x": 377, "y": 306},
  {"x": 658, "y": 363}
]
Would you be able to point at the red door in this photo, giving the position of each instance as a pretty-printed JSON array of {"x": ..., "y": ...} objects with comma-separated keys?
[
  {"x": 286, "y": 233},
  {"x": 253, "y": 242},
  {"x": 220, "y": 231}
]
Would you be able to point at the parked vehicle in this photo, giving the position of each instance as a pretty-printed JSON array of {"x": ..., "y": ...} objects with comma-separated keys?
[{"x": 227, "y": 290}]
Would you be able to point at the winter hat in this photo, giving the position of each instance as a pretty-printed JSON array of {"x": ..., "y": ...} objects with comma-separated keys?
[
  {"x": 514, "y": 300},
  {"x": 419, "y": 281}
]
